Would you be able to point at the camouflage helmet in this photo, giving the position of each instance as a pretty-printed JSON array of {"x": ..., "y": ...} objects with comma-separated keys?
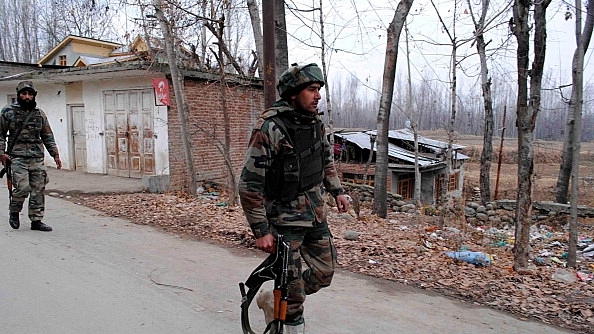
[
  {"x": 297, "y": 77},
  {"x": 26, "y": 85}
]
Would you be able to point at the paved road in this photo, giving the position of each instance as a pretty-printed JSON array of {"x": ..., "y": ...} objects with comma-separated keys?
[
  {"x": 66, "y": 181},
  {"x": 97, "y": 274}
]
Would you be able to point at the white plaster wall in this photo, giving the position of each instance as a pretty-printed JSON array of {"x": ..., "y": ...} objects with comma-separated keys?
[
  {"x": 51, "y": 98},
  {"x": 94, "y": 126},
  {"x": 161, "y": 141},
  {"x": 95, "y": 123}
]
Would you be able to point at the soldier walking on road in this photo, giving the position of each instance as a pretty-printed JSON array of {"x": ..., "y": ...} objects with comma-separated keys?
[
  {"x": 288, "y": 169},
  {"x": 28, "y": 131}
]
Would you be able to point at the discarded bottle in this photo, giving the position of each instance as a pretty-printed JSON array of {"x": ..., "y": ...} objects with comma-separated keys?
[{"x": 476, "y": 258}]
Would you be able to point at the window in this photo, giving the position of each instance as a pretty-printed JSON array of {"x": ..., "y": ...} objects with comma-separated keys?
[
  {"x": 405, "y": 188},
  {"x": 453, "y": 181},
  {"x": 440, "y": 183},
  {"x": 62, "y": 60}
]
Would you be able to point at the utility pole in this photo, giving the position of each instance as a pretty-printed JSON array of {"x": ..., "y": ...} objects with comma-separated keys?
[{"x": 269, "y": 53}]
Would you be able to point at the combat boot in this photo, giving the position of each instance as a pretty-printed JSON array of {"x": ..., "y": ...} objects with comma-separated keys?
[
  {"x": 39, "y": 226},
  {"x": 14, "y": 220},
  {"x": 265, "y": 302},
  {"x": 297, "y": 329}
]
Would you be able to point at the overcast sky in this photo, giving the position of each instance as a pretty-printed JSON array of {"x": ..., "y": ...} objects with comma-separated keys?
[{"x": 356, "y": 32}]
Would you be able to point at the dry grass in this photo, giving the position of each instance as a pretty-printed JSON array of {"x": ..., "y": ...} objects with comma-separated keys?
[{"x": 547, "y": 159}]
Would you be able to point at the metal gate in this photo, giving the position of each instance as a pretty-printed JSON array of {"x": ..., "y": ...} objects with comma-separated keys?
[{"x": 129, "y": 132}]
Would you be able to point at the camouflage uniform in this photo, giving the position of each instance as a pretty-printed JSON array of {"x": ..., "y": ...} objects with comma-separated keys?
[
  {"x": 303, "y": 220},
  {"x": 29, "y": 173}
]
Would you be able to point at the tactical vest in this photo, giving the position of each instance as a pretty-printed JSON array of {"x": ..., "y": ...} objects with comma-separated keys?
[{"x": 299, "y": 169}]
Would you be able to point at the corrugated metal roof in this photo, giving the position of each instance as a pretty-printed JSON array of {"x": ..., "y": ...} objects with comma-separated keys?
[
  {"x": 406, "y": 134},
  {"x": 361, "y": 139}
]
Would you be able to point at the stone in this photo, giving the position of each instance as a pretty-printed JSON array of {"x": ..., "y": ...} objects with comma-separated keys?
[
  {"x": 473, "y": 205},
  {"x": 469, "y": 212},
  {"x": 482, "y": 217},
  {"x": 351, "y": 235}
]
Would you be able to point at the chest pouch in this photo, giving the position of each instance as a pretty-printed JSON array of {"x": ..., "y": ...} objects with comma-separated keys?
[{"x": 300, "y": 169}]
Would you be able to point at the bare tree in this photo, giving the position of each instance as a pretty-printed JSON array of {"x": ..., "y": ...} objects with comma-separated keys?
[
  {"x": 527, "y": 111},
  {"x": 88, "y": 18},
  {"x": 480, "y": 27},
  {"x": 329, "y": 111},
  {"x": 451, "y": 125},
  {"x": 280, "y": 38},
  {"x": 225, "y": 147},
  {"x": 224, "y": 55},
  {"x": 380, "y": 192},
  {"x": 177, "y": 78},
  {"x": 31, "y": 28},
  {"x": 18, "y": 31},
  {"x": 575, "y": 102},
  {"x": 257, "y": 30},
  {"x": 575, "y": 109}
]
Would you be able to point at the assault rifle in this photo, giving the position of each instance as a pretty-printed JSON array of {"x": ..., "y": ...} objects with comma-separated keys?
[
  {"x": 274, "y": 267},
  {"x": 8, "y": 171}
]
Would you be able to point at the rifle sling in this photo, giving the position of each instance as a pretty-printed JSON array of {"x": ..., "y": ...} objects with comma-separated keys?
[{"x": 13, "y": 141}]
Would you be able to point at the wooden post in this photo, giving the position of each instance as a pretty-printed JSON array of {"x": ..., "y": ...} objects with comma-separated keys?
[{"x": 500, "y": 153}]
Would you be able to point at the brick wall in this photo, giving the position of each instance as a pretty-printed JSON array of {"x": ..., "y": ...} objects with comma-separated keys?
[
  {"x": 358, "y": 169},
  {"x": 244, "y": 104}
]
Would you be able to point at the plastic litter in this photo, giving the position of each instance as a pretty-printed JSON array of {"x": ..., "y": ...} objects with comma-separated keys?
[
  {"x": 584, "y": 277},
  {"x": 588, "y": 249},
  {"x": 564, "y": 276},
  {"x": 556, "y": 260},
  {"x": 498, "y": 244},
  {"x": 476, "y": 258}
]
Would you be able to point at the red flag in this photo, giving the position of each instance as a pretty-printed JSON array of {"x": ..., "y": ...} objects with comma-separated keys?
[{"x": 161, "y": 86}]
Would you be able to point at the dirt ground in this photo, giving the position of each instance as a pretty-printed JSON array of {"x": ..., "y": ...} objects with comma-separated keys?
[
  {"x": 547, "y": 159},
  {"x": 409, "y": 248}
]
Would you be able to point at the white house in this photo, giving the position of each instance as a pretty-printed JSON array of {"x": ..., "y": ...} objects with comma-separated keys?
[
  {"x": 104, "y": 113},
  {"x": 113, "y": 111}
]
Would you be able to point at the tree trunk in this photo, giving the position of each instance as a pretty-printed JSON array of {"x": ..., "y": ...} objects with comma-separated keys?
[
  {"x": 527, "y": 111},
  {"x": 329, "y": 114},
  {"x": 445, "y": 202},
  {"x": 565, "y": 169},
  {"x": 370, "y": 158},
  {"x": 576, "y": 103},
  {"x": 177, "y": 80},
  {"x": 231, "y": 183},
  {"x": 413, "y": 126},
  {"x": 562, "y": 187},
  {"x": 280, "y": 38},
  {"x": 525, "y": 167},
  {"x": 383, "y": 116},
  {"x": 257, "y": 29},
  {"x": 487, "y": 153}
]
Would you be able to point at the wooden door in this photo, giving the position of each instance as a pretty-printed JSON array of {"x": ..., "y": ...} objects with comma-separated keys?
[
  {"x": 79, "y": 137},
  {"x": 129, "y": 132}
]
